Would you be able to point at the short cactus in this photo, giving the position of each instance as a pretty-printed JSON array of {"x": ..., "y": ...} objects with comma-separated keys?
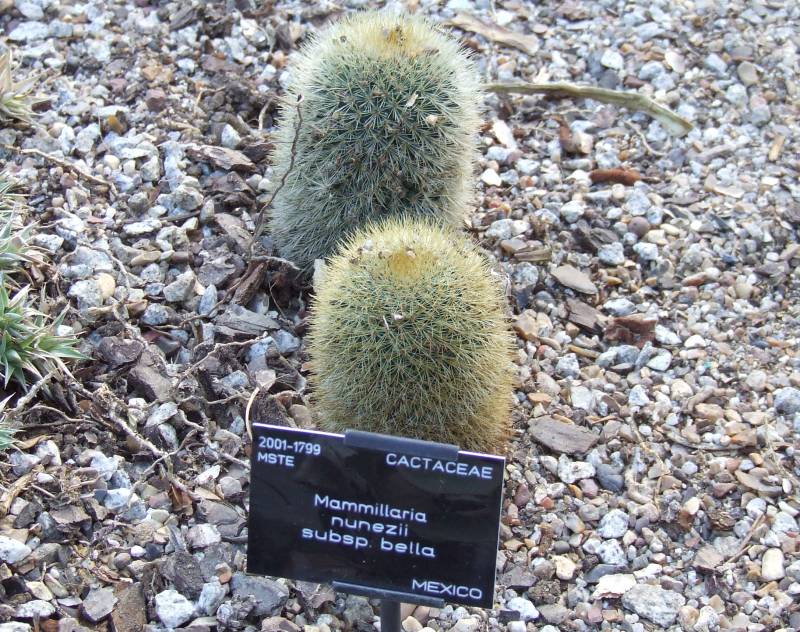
[
  {"x": 409, "y": 337},
  {"x": 380, "y": 120}
]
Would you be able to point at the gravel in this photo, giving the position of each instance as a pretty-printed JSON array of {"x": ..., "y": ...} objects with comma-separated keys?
[{"x": 653, "y": 476}]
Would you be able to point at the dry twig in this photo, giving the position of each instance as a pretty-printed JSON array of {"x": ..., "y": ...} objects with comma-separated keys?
[
  {"x": 61, "y": 163},
  {"x": 675, "y": 124},
  {"x": 262, "y": 214}
]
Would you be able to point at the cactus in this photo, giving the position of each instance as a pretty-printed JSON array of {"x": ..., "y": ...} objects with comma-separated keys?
[
  {"x": 380, "y": 120},
  {"x": 408, "y": 337}
]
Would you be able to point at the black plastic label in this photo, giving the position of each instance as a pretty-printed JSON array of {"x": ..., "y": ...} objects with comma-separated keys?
[{"x": 323, "y": 510}]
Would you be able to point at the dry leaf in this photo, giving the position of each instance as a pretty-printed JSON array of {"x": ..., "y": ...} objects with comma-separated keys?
[
  {"x": 502, "y": 132},
  {"x": 526, "y": 43},
  {"x": 181, "y": 501},
  {"x": 631, "y": 330},
  {"x": 622, "y": 176}
]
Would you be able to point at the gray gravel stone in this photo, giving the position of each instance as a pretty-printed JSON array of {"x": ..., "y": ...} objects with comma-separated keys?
[
  {"x": 619, "y": 307},
  {"x": 211, "y": 597},
  {"x": 787, "y": 400},
  {"x": 654, "y": 603},
  {"x": 614, "y": 524},
  {"x": 612, "y": 254},
  {"x": 13, "y": 551},
  {"x": 716, "y": 64},
  {"x": 572, "y": 471},
  {"x": 568, "y": 366},
  {"x": 181, "y": 289},
  {"x": 527, "y": 611},
  {"x": 36, "y": 608},
  {"x": 609, "y": 478},
  {"x": 173, "y": 608},
  {"x": 98, "y": 604},
  {"x": 269, "y": 594},
  {"x": 572, "y": 211},
  {"x": 29, "y": 32},
  {"x": 155, "y": 315},
  {"x": 638, "y": 396}
]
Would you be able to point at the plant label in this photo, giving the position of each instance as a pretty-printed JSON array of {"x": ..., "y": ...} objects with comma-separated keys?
[{"x": 376, "y": 512}]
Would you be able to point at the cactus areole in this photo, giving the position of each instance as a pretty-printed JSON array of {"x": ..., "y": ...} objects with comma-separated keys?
[{"x": 380, "y": 119}]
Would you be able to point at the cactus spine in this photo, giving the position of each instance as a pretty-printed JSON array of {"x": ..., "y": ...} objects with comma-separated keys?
[
  {"x": 386, "y": 126},
  {"x": 409, "y": 337}
]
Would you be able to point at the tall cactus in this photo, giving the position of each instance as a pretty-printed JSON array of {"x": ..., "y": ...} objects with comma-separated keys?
[
  {"x": 385, "y": 125},
  {"x": 408, "y": 337}
]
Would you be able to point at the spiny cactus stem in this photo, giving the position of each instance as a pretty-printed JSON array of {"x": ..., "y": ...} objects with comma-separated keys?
[{"x": 262, "y": 214}]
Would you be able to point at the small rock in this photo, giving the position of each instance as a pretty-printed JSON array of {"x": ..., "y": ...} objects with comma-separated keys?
[
  {"x": 467, "y": 624},
  {"x": 29, "y": 32},
  {"x": 582, "y": 397},
  {"x": 747, "y": 73},
  {"x": 13, "y": 551},
  {"x": 268, "y": 593},
  {"x": 612, "y": 254},
  {"x": 208, "y": 301},
  {"x": 568, "y": 366},
  {"x": 757, "y": 380},
  {"x": 187, "y": 198},
  {"x": 666, "y": 337},
  {"x": 772, "y": 565},
  {"x": 787, "y": 400},
  {"x": 565, "y": 567},
  {"x": 638, "y": 396},
  {"x": 155, "y": 315},
  {"x": 87, "y": 293},
  {"x": 211, "y": 597},
  {"x": 646, "y": 252},
  {"x": 639, "y": 226},
  {"x": 491, "y": 178},
  {"x": 572, "y": 211},
  {"x": 562, "y": 437},
  {"x": 573, "y": 278},
  {"x": 98, "y": 604},
  {"x": 117, "y": 499},
  {"x": 708, "y": 558},
  {"x": 229, "y": 137},
  {"x": 614, "y": 524},
  {"x": 201, "y": 536},
  {"x": 286, "y": 342},
  {"x": 612, "y": 59},
  {"x": 527, "y": 611},
  {"x": 610, "y": 479},
  {"x": 610, "y": 552},
  {"x": 707, "y": 620},
  {"x": 142, "y": 228},
  {"x": 155, "y": 99},
  {"x": 173, "y": 608},
  {"x": 654, "y": 603},
  {"x": 503, "y": 229},
  {"x": 695, "y": 341},
  {"x": 619, "y": 307},
  {"x": 716, "y": 64},
  {"x": 15, "y": 626},
  {"x": 614, "y": 585},
  {"x": 572, "y": 471},
  {"x": 181, "y": 289},
  {"x": 22, "y": 462}
]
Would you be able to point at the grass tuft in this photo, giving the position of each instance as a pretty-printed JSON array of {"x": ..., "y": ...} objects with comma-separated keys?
[
  {"x": 6, "y": 432},
  {"x": 16, "y": 100}
]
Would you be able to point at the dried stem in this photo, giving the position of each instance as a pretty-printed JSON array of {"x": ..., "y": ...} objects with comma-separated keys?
[
  {"x": 293, "y": 154},
  {"x": 675, "y": 124},
  {"x": 60, "y": 163}
]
